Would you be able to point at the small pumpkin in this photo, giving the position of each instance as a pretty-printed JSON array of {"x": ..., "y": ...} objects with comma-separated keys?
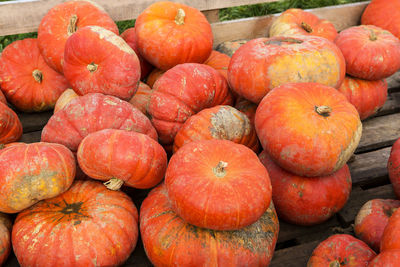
[
  {"x": 10, "y": 125},
  {"x": 153, "y": 77},
  {"x": 389, "y": 258},
  {"x": 247, "y": 107},
  {"x": 391, "y": 233},
  {"x": 219, "y": 61},
  {"x": 64, "y": 99},
  {"x": 5, "y": 237},
  {"x": 141, "y": 99},
  {"x": 393, "y": 165}
]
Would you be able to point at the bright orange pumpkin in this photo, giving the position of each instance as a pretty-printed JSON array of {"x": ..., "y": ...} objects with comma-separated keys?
[
  {"x": 10, "y": 125},
  {"x": 219, "y": 61},
  {"x": 388, "y": 258},
  {"x": 391, "y": 235},
  {"x": 153, "y": 77},
  {"x": 5, "y": 237},
  {"x": 142, "y": 97}
]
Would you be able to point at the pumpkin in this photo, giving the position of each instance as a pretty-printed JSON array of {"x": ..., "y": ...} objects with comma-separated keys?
[
  {"x": 217, "y": 184},
  {"x": 266, "y": 63},
  {"x": 25, "y": 78},
  {"x": 389, "y": 258},
  {"x": 129, "y": 35},
  {"x": 97, "y": 60},
  {"x": 91, "y": 113},
  {"x": 295, "y": 21},
  {"x": 393, "y": 167},
  {"x": 3, "y": 98},
  {"x": 153, "y": 77},
  {"x": 64, "y": 99},
  {"x": 171, "y": 33},
  {"x": 372, "y": 219},
  {"x": 391, "y": 233},
  {"x": 309, "y": 129},
  {"x": 141, "y": 99},
  {"x": 307, "y": 200},
  {"x": 32, "y": 172},
  {"x": 61, "y": 21},
  {"x": 247, "y": 107},
  {"x": 182, "y": 92},
  {"x": 10, "y": 125},
  {"x": 219, "y": 122},
  {"x": 367, "y": 96},
  {"x": 229, "y": 47},
  {"x": 219, "y": 61},
  {"x": 5, "y": 238},
  {"x": 121, "y": 157},
  {"x": 341, "y": 250},
  {"x": 170, "y": 241},
  {"x": 370, "y": 52},
  {"x": 88, "y": 225}
]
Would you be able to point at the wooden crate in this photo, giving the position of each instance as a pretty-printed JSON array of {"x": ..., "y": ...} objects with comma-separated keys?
[{"x": 368, "y": 168}]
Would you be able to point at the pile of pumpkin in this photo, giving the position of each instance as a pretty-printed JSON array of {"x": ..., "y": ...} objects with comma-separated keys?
[{"x": 205, "y": 110}]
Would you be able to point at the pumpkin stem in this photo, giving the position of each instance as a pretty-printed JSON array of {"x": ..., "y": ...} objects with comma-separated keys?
[
  {"x": 37, "y": 75},
  {"x": 180, "y": 17},
  {"x": 323, "y": 110},
  {"x": 72, "y": 24},
  {"x": 114, "y": 184},
  {"x": 372, "y": 35},
  {"x": 219, "y": 170},
  {"x": 334, "y": 263},
  {"x": 92, "y": 67},
  {"x": 306, "y": 27}
]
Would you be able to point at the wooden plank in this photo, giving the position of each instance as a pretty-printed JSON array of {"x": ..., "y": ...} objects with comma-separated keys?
[
  {"x": 212, "y": 15},
  {"x": 31, "y": 137},
  {"x": 294, "y": 256},
  {"x": 394, "y": 81},
  {"x": 34, "y": 121},
  {"x": 392, "y": 105}
]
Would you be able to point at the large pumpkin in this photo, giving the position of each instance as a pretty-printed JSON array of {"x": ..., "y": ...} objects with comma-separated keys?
[
  {"x": 10, "y": 125},
  {"x": 307, "y": 200},
  {"x": 5, "y": 238},
  {"x": 170, "y": 241},
  {"x": 393, "y": 167},
  {"x": 122, "y": 157},
  {"x": 90, "y": 113},
  {"x": 32, "y": 172},
  {"x": 62, "y": 21},
  {"x": 171, "y": 33},
  {"x": 88, "y": 225},
  {"x": 25, "y": 78},
  {"x": 265, "y": 63},
  {"x": 183, "y": 91},
  {"x": 389, "y": 258},
  {"x": 391, "y": 233},
  {"x": 308, "y": 128},
  {"x": 370, "y": 52},
  {"x": 217, "y": 184},
  {"x": 142, "y": 97}
]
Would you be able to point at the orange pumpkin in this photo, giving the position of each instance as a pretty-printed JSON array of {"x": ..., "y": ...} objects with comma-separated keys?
[
  {"x": 219, "y": 61},
  {"x": 171, "y": 33},
  {"x": 229, "y": 47},
  {"x": 2, "y": 98},
  {"x": 247, "y": 107},
  {"x": 153, "y": 77},
  {"x": 64, "y": 99},
  {"x": 388, "y": 258},
  {"x": 10, "y": 125},
  {"x": 141, "y": 99},
  {"x": 391, "y": 234},
  {"x": 5, "y": 237},
  {"x": 62, "y": 21}
]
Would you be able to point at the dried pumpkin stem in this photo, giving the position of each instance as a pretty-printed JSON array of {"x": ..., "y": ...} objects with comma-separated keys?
[
  {"x": 323, "y": 110},
  {"x": 37, "y": 75},
  {"x": 306, "y": 27},
  {"x": 114, "y": 184},
  {"x": 219, "y": 170},
  {"x": 72, "y": 24},
  {"x": 335, "y": 263},
  {"x": 372, "y": 35},
  {"x": 92, "y": 67},
  {"x": 180, "y": 17}
]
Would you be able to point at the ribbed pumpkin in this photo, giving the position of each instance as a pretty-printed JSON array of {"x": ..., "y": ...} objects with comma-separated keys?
[
  {"x": 171, "y": 33},
  {"x": 64, "y": 99},
  {"x": 10, "y": 125},
  {"x": 170, "y": 241},
  {"x": 266, "y": 63},
  {"x": 307, "y": 200},
  {"x": 219, "y": 61},
  {"x": 247, "y": 107},
  {"x": 91, "y": 113},
  {"x": 389, "y": 258},
  {"x": 182, "y": 92},
  {"x": 391, "y": 233},
  {"x": 122, "y": 157},
  {"x": 88, "y": 225},
  {"x": 367, "y": 96},
  {"x": 153, "y": 77},
  {"x": 142, "y": 97},
  {"x": 219, "y": 122},
  {"x": 25, "y": 78},
  {"x": 2, "y": 98},
  {"x": 217, "y": 184},
  {"x": 32, "y": 172},
  {"x": 62, "y": 21},
  {"x": 371, "y": 53},
  {"x": 5, "y": 238},
  {"x": 295, "y": 21},
  {"x": 229, "y": 47},
  {"x": 308, "y": 128},
  {"x": 393, "y": 167}
]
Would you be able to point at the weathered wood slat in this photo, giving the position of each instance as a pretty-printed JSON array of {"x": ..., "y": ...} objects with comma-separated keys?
[
  {"x": 34, "y": 121},
  {"x": 31, "y": 137},
  {"x": 294, "y": 256},
  {"x": 392, "y": 105}
]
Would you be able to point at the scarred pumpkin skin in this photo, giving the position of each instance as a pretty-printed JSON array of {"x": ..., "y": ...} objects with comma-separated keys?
[
  {"x": 88, "y": 225},
  {"x": 219, "y": 61},
  {"x": 141, "y": 99},
  {"x": 170, "y": 241},
  {"x": 25, "y": 78},
  {"x": 10, "y": 125},
  {"x": 171, "y": 33},
  {"x": 64, "y": 99},
  {"x": 266, "y": 63},
  {"x": 32, "y": 172},
  {"x": 391, "y": 234},
  {"x": 217, "y": 184},
  {"x": 308, "y": 128},
  {"x": 182, "y": 92},
  {"x": 372, "y": 219},
  {"x": 341, "y": 250},
  {"x": 90, "y": 113},
  {"x": 367, "y": 96},
  {"x": 153, "y": 77},
  {"x": 5, "y": 237},
  {"x": 247, "y": 107},
  {"x": 389, "y": 258},
  {"x": 307, "y": 200},
  {"x": 62, "y": 21},
  {"x": 219, "y": 122},
  {"x": 132, "y": 158},
  {"x": 393, "y": 167},
  {"x": 371, "y": 53}
]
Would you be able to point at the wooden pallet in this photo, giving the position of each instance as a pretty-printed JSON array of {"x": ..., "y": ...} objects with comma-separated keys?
[{"x": 368, "y": 169}]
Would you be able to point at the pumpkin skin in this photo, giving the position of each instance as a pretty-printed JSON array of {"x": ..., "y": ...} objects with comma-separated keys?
[
  {"x": 91, "y": 113},
  {"x": 99, "y": 61},
  {"x": 295, "y": 21},
  {"x": 131, "y": 158},
  {"x": 391, "y": 233},
  {"x": 182, "y": 92},
  {"x": 170, "y": 241},
  {"x": 308, "y": 128},
  {"x": 62, "y": 21},
  {"x": 3, "y": 98},
  {"x": 5, "y": 237},
  {"x": 393, "y": 167},
  {"x": 389, "y": 258},
  {"x": 92, "y": 226},
  {"x": 219, "y": 122},
  {"x": 247, "y": 107},
  {"x": 10, "y": 125},
  {"x": 219, "y": 61},
  {"x": 153, "y": 77},
  {"x": 307, "y": 200},
  {"x": 341, "y": 250},
  {"x": 25, "y": 78},
  {"x": 64, "y": 99},
  {"x": 209, "y": 184},
  {"x": 171, "y": 33},
  {"x": 229, "y": 47},
  {"x": 32, "y": 172},
  {"x": 367, "y": 96},
  {"x": 372, "y": 219},
  {"x": 265, "y": 63},
  {"x": 371, "y": 53},
  {"x": 141, "y": 99}
]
